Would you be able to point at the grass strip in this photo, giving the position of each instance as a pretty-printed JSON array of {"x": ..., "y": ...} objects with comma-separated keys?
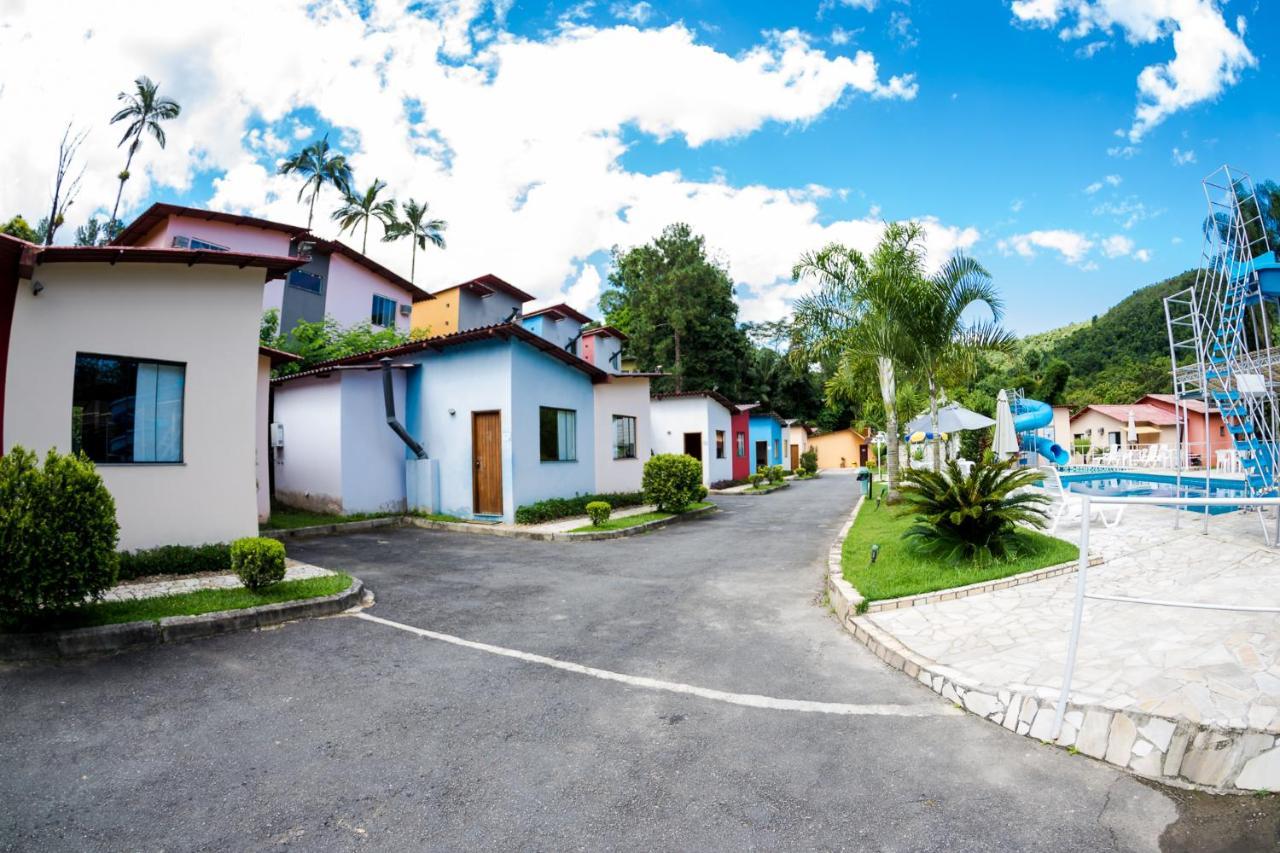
[
  {"x": 899, "y": 570},
  {"x": 185, "y": 604},
  {"x": 289, "y": 519},
  {"x": 633, "y": 520}
]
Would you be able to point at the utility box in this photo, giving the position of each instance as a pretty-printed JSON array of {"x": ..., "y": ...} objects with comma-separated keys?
[
  {"x": 422, "y": 485},
  {"x": 277, "y": 435},
  {"x": 864, "y": 481}
]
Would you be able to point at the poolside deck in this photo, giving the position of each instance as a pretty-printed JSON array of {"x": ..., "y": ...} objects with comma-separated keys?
[{"x": 1199, "y": 690}]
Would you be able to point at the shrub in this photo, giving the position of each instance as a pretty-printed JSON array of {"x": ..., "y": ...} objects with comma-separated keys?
[
  {"x": 599, "y": 511},
  {"x": 756, "y": 479},
  {"x": 673, "y": 481},
  {"x": 972, "y": 518},
  {"x": 175, "y": 560},
  {"x": 554, "y": 508},
  {"x": 729, "y": 484},
  {"x": 258, "y": 561},
  {"x": 58, "y": 533},
  {"x": 776, "y": 473},
  {"x": 809, "y": 462}
]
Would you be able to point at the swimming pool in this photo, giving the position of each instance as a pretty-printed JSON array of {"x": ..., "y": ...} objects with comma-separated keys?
[{"x": 1141, "y": 484}]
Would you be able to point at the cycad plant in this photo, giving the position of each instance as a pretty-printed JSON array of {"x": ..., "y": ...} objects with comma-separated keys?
[{"x": 975, "y": 518}]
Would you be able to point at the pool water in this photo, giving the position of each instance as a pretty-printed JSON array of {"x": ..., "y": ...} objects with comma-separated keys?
[{"x": 1139, "y": 484}]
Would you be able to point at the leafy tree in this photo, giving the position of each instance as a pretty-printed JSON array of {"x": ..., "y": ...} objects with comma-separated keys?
[
  {"x": 318, "y": 164},
  {"x": 18, "y": 227},
  {"x": 676, "y": 305},
  {"x": 324, "y": 340},
  {"x": 418, "y": 228},
  {"x": 357, "y": 210},
  {"x": 95, "y": 233},
  {"x": 144, "y": 109}
]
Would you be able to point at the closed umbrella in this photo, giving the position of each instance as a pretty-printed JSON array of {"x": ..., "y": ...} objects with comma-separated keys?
[
  {"x": 1133, "y": 429},
  {"x": 1005, "y": 441}
]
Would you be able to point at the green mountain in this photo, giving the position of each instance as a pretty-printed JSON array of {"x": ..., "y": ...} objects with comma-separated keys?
[{"x": 1115, "y": 357}]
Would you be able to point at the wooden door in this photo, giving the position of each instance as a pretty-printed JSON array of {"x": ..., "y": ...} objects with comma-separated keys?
[
  {"x": 795, "y": 457},
  {"x": 693, "y": 445},
  {"x": 486, "y": 457},
  {"x": 862, "y": 455}
]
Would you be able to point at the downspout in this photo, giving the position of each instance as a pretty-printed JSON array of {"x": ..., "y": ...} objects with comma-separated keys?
[{"x": 389, "y": 399}]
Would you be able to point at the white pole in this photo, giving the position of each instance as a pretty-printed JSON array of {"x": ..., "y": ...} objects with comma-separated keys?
[{"x": 1076, "y": 616}]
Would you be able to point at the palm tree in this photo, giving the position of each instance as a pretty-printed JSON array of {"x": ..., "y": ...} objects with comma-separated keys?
[
  {"x": 357, "y": 210},
  {"x": 144, "y": 110},
  {"x": 418, "y": 228},
  {"x": 948, "y": 344},
  {"x": 319, "y": 165},
  {"x": 856, "y": 315}
]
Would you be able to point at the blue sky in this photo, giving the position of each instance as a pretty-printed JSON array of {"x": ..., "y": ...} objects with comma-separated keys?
[{"x": 546, "y": 133}]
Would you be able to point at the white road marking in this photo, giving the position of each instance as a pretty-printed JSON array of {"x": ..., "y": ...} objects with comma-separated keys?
[{"x": 751, "y": 700}]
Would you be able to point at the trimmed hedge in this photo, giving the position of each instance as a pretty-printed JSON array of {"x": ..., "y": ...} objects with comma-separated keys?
[
  {"x": 599, "y": 512},
  {"x": 175, "y": 560},
  {"x": 258, "y": 561},
  {"x": 729, "y": 484},
  {"x": 556, "y": 508},
  {"x": 672, "y": 481}
]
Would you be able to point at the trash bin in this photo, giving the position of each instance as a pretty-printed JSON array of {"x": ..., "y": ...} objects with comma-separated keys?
[{"x": 864, "y": 481}]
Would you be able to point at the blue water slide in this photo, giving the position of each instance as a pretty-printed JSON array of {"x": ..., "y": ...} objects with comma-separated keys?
[
  {"x": 1029, "y": 416},
  {"x": 1268, "y": 267}
]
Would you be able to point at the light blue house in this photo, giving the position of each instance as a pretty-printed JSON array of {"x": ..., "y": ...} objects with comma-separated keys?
[
  {"x": 765, "y": 437},
  {"x": 559, "y": 324}
]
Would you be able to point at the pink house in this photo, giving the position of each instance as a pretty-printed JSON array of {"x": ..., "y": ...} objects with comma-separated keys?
[{"x": 337, "y": 281}]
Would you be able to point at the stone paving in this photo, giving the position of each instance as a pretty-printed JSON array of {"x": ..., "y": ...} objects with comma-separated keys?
[
  {"x": 130, "y": 591},
  {"x": 1156, "y": 666}
]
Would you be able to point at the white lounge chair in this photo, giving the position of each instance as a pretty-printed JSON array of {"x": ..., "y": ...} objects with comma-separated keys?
[{"x": 1067, "y": 504}]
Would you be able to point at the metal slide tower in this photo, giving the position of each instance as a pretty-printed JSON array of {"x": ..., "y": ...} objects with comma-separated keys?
[{"x": 1220, "y": 336}]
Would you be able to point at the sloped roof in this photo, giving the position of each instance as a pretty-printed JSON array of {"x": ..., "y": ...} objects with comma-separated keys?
[
  {"x": 1143, "y": 413},
  {"x": 486, "y": 284},
  {"x": 30, "y": 256},
  {"x": 1170, "y": 399},
  {"x": 559, "y": 310},
  {"x": 498, "y": 331},
  {"x": 711, "y": 395},
  {"x": 609, "y": 331}
]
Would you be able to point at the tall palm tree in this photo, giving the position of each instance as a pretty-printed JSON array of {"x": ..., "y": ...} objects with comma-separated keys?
[
  {"x": 357, "y": 210},
  {"x": 319, "y": 165},
  {"x": 144, "y": 110},
  {"x": 948, "y": 343},
  {"x": 420, "y": 231},
  {"x": 857, "y": 312}
]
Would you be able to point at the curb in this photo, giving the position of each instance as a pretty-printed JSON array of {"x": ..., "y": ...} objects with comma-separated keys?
[
  {"x": 1174, "y": 752},
  {"x": 783, "y": 485},
  {"x": 336, "y": 527},
  {"x": 105, "y": 639},
  {"x": 562, "y": 536}
]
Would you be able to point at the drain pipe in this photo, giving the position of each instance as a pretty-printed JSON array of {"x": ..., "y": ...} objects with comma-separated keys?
[{"x": 389, "y": 399}]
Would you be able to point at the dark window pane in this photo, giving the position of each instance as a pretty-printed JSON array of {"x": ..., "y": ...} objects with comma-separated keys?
[
  {"x": 307, "y": 281},
  {"x": 127, "y": 410},
  {"x": 383, "y": 312}
]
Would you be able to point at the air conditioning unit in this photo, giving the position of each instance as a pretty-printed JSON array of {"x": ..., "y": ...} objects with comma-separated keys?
[
  {"x": 405, "y": 309},
  {"x": 277, "y": 435}
]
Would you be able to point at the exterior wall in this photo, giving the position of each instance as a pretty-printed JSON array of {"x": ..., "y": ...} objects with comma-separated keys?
[
  {"x": 476, "y": 311},
  {"x": 349, "y": 298},
  {"x": 587, "y": 349},
  {"x": 538, "y": 380},
  {"x": 837, "y": 449},
  {"x": 765, "y": 429},
  {"x": 440, "y": 315},
  {"x": 238, "y": 238},
  {"x": 741, "y": 467},
  {"x": 373, "y": 457},
  {"x": 625, "y": 396},
  {"x": 262, "y": 449},
  {"x": 464, "y": 379},
  {"x": 130, "y": 310},
  {"x": 718, "y": 418},
  {"x": 602, "y": 350},
  {"x": 1062, "y": 426},
  {"x": 309, "y": 466},
  {"x": 559, "y": 332},
  {"x": 796, "y": 435},
  {"x": 672, "y": 418}
]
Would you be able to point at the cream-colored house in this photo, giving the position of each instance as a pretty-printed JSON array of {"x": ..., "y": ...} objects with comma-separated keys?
[
  {"x": 795, "y": 438},
  {"x": 843, "y": 448},
  {"x": 148, "y": 361}
]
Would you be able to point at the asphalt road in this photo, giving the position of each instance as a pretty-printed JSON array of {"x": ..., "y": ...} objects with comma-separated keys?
[{"x": 345, "y": 733}]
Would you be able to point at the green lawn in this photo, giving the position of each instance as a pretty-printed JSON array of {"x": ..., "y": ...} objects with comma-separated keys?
[
  {"x": 288, "y": 518},
  {"x": 633, "y": 520},
  {"x": 439, "y": 516},
  {"x": 189, "y": 604},
  {"x": 900, "y": 571},
  {"x": 764, "y": 487}
]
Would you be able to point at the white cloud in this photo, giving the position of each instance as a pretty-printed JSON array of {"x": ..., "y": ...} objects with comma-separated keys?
[
  {"x": 1208, "y": 53},
  {"x": 637, "y": 13},
  {"x": 1107, "y": 180},
  {"x": 1113, "y": 180},
  {"x": 1127, "y": 211},
  {"x": 1071, "y": 245},
  {"x": 1142, "y": 255},
  {"x": 505, "y": 136},
  {"x": 1124, "y": 152},
  {"x": 1093, "y": 188},
  {"x": 586, "y": 288},
  {"x": 1117, "y": 246},
  {"x": 900, "y": 28},
  {"x": 1182, "y": 158},
  {"x": 840, "y": 36},
  {"x": 1016, "y": 205}
]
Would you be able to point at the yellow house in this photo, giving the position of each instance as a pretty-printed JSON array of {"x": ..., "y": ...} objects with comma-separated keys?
[
  {"x": 483, "y": 301},
  {"x": 844, "y": 448}
]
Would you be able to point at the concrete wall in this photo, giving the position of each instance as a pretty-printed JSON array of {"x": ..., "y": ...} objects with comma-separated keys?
[
  {"x": 559, "y": 332},
  {"x": 767, "y": 429},
  {"x": 476, "y": 311},
  {"x": 349, "y": 298},
  {"x": 237, "y": 238},
  {"x": 464, "y": 379},
  {"x": 793, "y": 435},
  {"x": 838, "y": 446},
  {"x": 672, "y": 418},
  {"x": 262, "y": 449},
  {"x": 621, "y": 396},
  {"x": 539, "y": 380},
  {"x": 309, "y": 466},
  {"x": 203, "y": 316},
  {"x": 373, "y": 456}
]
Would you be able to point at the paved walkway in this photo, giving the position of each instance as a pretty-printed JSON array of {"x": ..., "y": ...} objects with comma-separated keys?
[
  {"x": 133, "y": 590},
  {"x": 685, "y": 689}
]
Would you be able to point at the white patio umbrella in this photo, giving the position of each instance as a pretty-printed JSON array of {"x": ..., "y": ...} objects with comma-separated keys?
[
  {"x": 951, "y": 418},
  {"x": 1133, "y": 429},
  {"x": 1005, "y": 442}
]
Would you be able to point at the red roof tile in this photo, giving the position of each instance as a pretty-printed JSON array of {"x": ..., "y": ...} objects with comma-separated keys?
[
  {"x": 562, "y": 310},
  {"x": 711, "y": 395},
  {"x": 32, "y": 256}
]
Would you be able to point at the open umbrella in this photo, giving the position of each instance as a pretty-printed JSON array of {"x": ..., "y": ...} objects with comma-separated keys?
[
  {"x": 1005, "y": 441},
  {"x": 951, "y": 418}
]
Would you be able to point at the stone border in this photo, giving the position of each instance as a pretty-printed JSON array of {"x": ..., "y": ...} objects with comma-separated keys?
[
  {"x": 104, "y": 639},
  {"x": 750, "y": 494},
  {"x": 559, "y": 536},
  {"x": 1172, "y": 751},
  {"x": 336, "y": 527}
]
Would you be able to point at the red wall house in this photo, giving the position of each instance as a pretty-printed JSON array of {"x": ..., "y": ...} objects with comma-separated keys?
[{"x": 740, "y": 426}]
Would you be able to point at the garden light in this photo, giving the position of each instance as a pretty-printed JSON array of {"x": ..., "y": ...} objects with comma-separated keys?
[{"x": 875, "y": 552}]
